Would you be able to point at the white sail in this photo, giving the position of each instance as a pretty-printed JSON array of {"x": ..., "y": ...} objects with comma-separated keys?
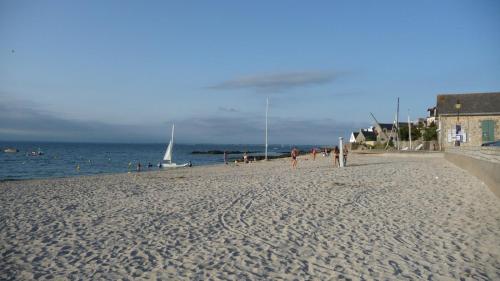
[
  {"x": 170, "y": 148},
  {"x": 168, "y": 153}
]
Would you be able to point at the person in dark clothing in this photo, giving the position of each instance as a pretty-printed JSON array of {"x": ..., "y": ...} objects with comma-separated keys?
[
  {"x": 345, "y": 151},
  {"x": 294, "y": 153},
  {"x": 336, "y": 160}
]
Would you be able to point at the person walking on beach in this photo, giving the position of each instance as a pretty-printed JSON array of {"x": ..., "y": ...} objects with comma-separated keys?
[
  {"x": 345, "y": 154},
  {"x": 225, "y": 157},
  {"x": 294, "y": 153},
  {"x": 314, "y": 153},
  {"x": 336, "y": 160},
  {"x": 138, "y": 166},
  {"x": 245, "y": 158}
]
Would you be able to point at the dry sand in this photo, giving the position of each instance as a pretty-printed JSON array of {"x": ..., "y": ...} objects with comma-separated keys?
[{"x": 383, "y": 217}]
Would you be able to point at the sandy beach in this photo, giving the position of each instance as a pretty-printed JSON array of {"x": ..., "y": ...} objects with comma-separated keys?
[{"x": 382, "y": 217}]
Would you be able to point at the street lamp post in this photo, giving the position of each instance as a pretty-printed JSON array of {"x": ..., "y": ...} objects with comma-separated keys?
[{"x": 458, "y": 105}]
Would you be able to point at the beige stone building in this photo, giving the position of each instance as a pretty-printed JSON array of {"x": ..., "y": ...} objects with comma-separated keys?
[
  {"x": 384, "y": 133},
  {"x": 366, "y": 137},
  {"x": 468, "y": 119}
]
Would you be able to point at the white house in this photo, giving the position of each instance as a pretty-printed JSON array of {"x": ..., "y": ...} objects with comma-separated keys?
[{"x": 352, "y": 139}]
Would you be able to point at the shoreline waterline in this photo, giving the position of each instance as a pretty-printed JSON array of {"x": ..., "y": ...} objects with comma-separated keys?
[{"x": 73, "y": 159}]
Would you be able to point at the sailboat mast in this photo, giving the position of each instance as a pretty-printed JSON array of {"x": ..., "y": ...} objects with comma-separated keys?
[
  {"x": 267, "y": 110},
  {"x": 172, "y": 140},
  {"x": 172, "y": 133}
]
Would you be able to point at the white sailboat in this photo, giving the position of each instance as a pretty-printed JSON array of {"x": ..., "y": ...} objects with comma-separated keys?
[{"x": 167, "y": 158}]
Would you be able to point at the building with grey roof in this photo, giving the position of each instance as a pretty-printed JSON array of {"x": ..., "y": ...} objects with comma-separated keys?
[
  {"x": 366, "y": 137},
  {"x": 468, "y": 119}
]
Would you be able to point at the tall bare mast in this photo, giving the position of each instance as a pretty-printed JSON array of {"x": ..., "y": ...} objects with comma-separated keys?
[
  {"x": 375, "y": 119},
  {"x": 173, "y": 127},
  {"x": 378, "y": 124},
  {"x": 267, "y": 110}
]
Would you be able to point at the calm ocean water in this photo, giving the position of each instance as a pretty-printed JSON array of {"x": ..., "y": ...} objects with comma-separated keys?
[{"x": 61, "y": 159}]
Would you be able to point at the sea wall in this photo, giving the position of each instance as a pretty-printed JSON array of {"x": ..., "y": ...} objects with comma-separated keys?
[
  {"x": 427, "y": 145},
  {"x": 482, "y": 162}
]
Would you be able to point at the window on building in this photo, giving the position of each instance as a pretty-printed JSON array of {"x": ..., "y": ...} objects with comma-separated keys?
[{"x": 488, "y": 130}]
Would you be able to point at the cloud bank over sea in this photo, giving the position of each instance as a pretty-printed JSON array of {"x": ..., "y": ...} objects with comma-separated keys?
[{"x": 27, "y": 121}]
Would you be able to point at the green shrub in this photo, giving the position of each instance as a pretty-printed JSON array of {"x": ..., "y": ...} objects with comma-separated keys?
[
  {"x": 430, "y": 133},
  {"x": 415, "y": 133}
]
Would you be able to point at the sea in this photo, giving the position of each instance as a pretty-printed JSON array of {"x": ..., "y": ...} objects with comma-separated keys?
[{"x": 75, "y": 159}]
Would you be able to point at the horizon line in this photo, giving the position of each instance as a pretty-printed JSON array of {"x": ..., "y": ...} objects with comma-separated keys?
[{"x": 180, "y": 143}]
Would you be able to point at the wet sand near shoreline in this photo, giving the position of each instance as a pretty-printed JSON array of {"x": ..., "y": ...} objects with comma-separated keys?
[{"x": 382, "y": 217}]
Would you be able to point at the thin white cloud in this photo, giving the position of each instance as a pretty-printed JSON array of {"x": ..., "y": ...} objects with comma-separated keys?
[
  {"x": 277, "y": 82},
  {"x": 227, "y": 109}
]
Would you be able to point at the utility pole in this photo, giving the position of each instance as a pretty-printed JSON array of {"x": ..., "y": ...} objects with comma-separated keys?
[
  {"x": 397, "y": 125},
  {"x": 409, "y": 127}
]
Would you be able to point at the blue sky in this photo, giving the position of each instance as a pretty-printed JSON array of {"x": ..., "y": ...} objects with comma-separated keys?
[{"x": 125, "y": 70}]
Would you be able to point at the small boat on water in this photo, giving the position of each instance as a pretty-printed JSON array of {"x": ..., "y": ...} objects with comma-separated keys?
[
  {"x": 10, "y": 150},
  {"x": 167, "y": 158},
  {"x": 36, "y": 153}
]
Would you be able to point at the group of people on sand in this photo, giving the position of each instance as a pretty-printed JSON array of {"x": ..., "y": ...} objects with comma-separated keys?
[
  {"x": 336, "y": 152},
  {"x": 246, "y": 159}
]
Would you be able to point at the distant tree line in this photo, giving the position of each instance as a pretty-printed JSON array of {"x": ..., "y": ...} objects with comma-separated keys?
[{"x": 419, "y": 132}]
